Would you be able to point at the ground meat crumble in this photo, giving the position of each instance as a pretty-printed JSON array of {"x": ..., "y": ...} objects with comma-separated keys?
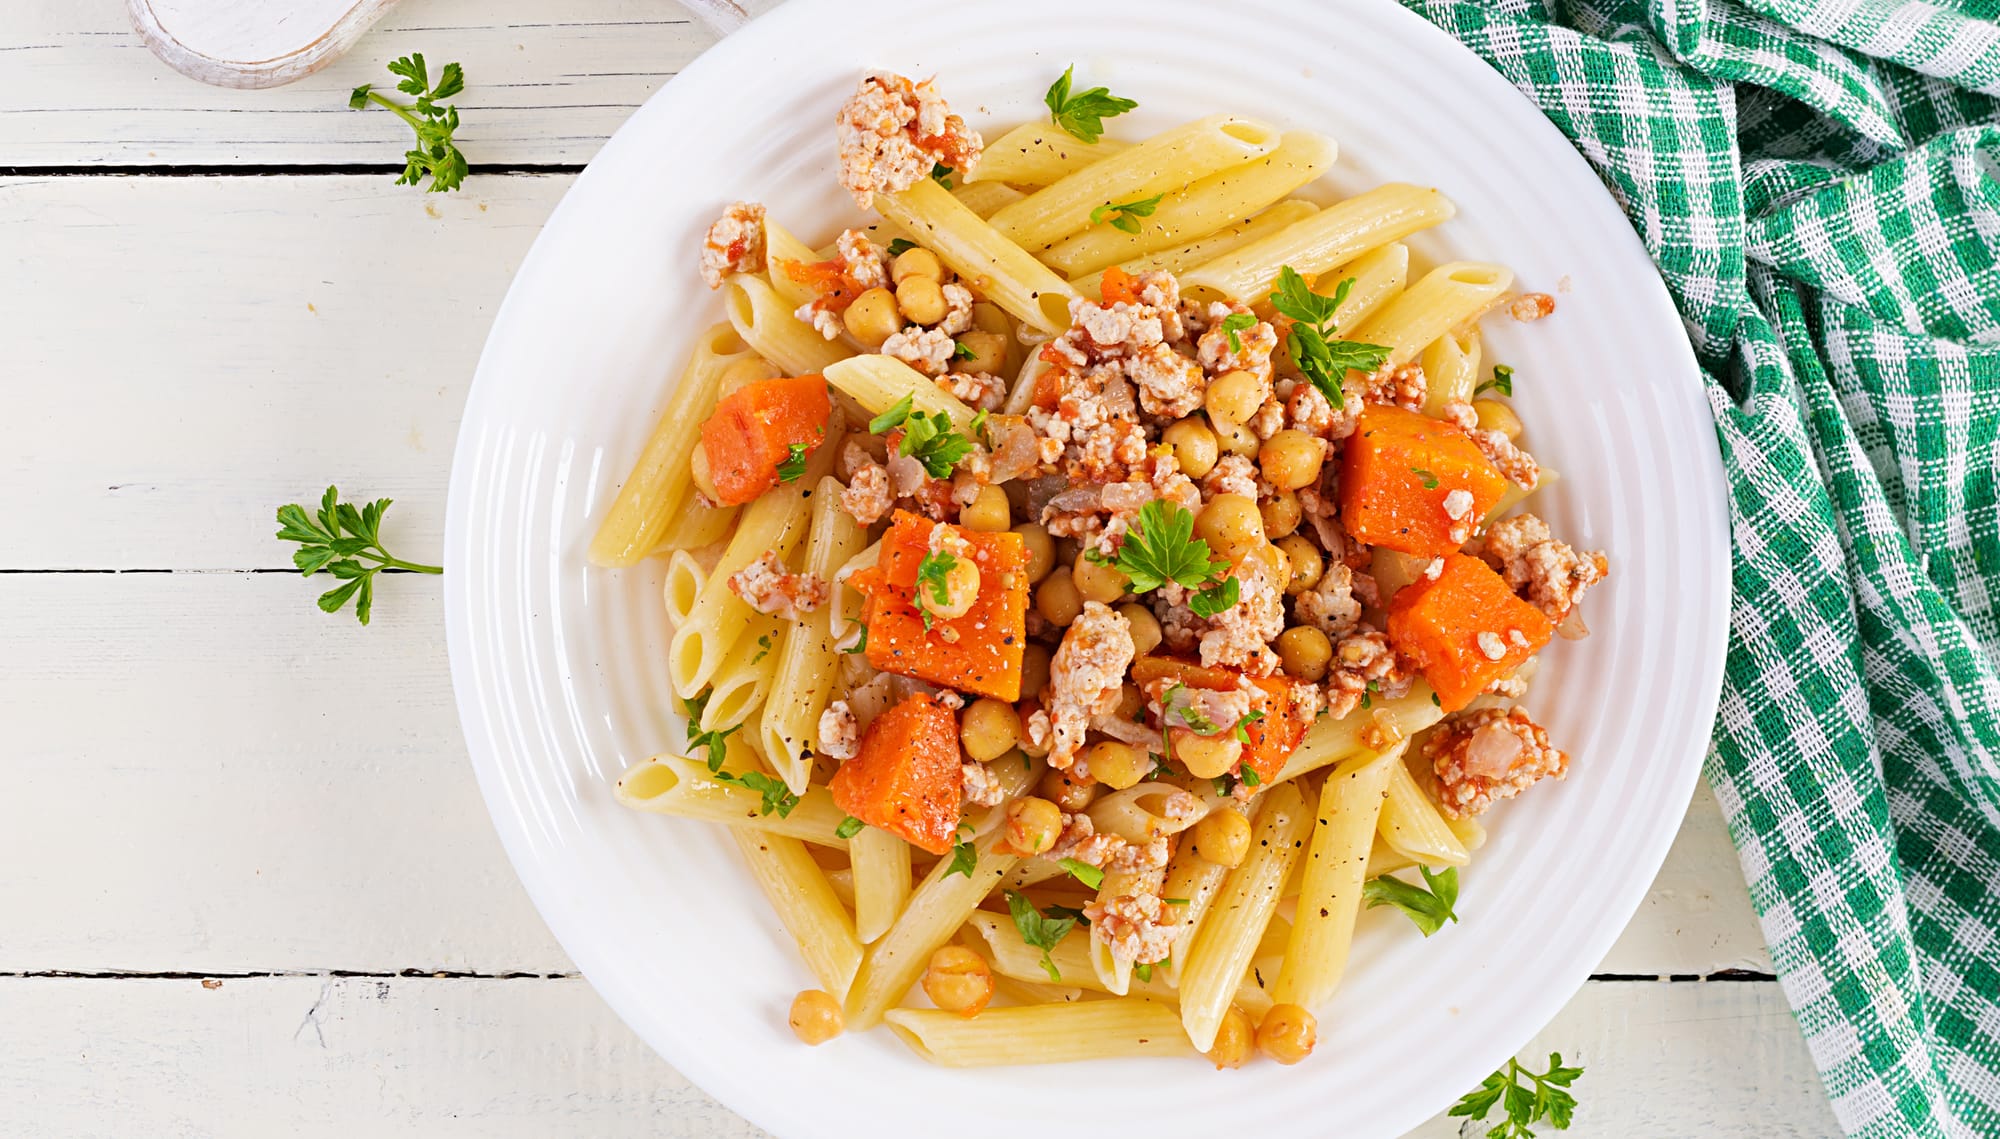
[
  {"x": 1484, "y": 756},
  {"x": 1135, "y": 927},
  {"x": 892, "y": 132},
  {"x": 1365, "y": 668},
  {"x": 1551, "y": 575},
  {"x": 839, "y": 731},
  {"x": 1516, "y": 464},
  {"x": 1085, "y": 676},
  {"x": 735, "y": 244},
  {"x": 768, "y": 587}
]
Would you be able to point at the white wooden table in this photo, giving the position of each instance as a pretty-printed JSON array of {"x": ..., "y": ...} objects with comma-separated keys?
[{"x": 249, "y": 887}]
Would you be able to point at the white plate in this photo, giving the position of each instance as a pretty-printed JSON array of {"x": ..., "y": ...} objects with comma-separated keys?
[{"x": 559, "y": 667}]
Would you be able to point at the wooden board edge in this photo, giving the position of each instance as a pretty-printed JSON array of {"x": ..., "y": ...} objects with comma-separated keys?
[{"x": 258, "y": 73}]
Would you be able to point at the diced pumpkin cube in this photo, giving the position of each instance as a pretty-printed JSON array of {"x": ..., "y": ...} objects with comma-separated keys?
[
  {"x": 1273, "y": 738},
  {"x": 754, "y": 429},
  {"x": 906, "y": 777},
  {"x": 1398, "y": 477},
  {"x": 1464, "y": 629},
  {"x": 979, "y": 652}
]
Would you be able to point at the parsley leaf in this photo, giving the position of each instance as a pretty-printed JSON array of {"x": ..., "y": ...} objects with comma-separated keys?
[
  {"x": 960, "y": 352},
  {"x": 1144, "y": 971},
  {"x": 337, "y": 539},
  {"x": 1242, "y": 730},
  {"x": 861, "y": 642},
  {"x": 1429, "y": 908},
  {"x": 1216, "y": 598},
  {"x": 1502, "y": 381},
  {"x": 1125, "y": 215},
  {"x": 763, "y": 648},
  {"x": 928, "y": 437},
  {"x": 1160, "y": 547},
  {"x": 1430, "y": 480},
  {"x": 435, "y": 154},
  {"x": 1548, "y": 1098},
  {"x": 1070, "y": 912},
  {"x": 900, "y": 245},
  {"x": 794, "y": 467},
  {"x": 1314, "y": 351},
  {"x": 941, "y": 174},
  {"x": 709, "y": 741},
  {"x": 777, "y": 796},
  {"x": 1037, "y": 931},
  {"x": 849, "y": 827},
  {"x": 894, "y": 417},
  {"x": 1249, "y": 776},
  {"x": 1235, "y": 323},
  {"x": 1189, "y": 716},
  {"x": 935, "y": 571},
  {"x": 1081, "y": 115},
  {"x": 1083, "y": 872},
  {"x": 964, "y": 856},
  {"x": 979, "y": 426}
]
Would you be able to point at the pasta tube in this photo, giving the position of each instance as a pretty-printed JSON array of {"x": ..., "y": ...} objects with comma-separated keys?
[
  {"x": 878, "y": 383},
  {"x": 1412, "y": 824},
  {"x": 812, "y": 914},
  {"x": 1042, "y": 1034},
  {"x": 1183, "y": 257},
  {"x": 989, "y": 262},
  {"x": 937, "y": 908},
  {"x": 803, "y": 673},
  {"x": 765, "y": 322},
  {"x": 1036, "y": 154},
  {"x": 1319, "y": 244},
  {"x": 1446, "y": 297},
  {"x": 677, "y": 785},
  {"x": 1336, "y": 865},
  {"x": 1228, "y": 938},
  {"x": 881, "y": 880},
  {"x": 1378, "y": 728}
]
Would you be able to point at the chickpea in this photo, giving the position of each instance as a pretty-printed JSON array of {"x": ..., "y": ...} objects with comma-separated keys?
[
  {"x": 1497, "y": 416},
  {"x": 1041, "y": 550},
  {"x": 1206, "y": 757},
  {"x": 816, "y": 1017},
  {"x": 1146, "y": 632},
  {"x": 1291, "y": 459},
  {"x": 1305, "y": 653},
  {"x": 1098, "y": 582},
  {"x": 987, "y": 513},
  {"x": 1281, "y": 515},
  {"x": 1066, "y": 793},
  {"x": 872, "y": 317},
  {"x": 1306, "y": 563},
  {"x": 1130, "y": 701},
  {"x": 1234, "y": 397},
  {"x": 959, "y": 981},
  {"x": 1222, "y": 837},
  {"x": 961, "y": 589},
  {"x": 989, "y": 729},
  {"x": 1287, "y": 1034},
  {"x": 1058, "y": 600},
  {"x": 915, "y": 261},
  {"x": 704, "y": 479},
  {"x": 989, "y": 317},
  {"x": 1230, "y": 524},
  {"x": 989, "y": 353},
  {"x": 1235, "y": 438},
  {"x": 748, "y": 370},
  {"x": 920, "y": 300},
  {"x": 1033, "y": 825},
  {"x": 1194, "y": 446},
  {"x": 1034, "y": 670},
  {"x": 1116, "y": 764},
  {"x": 1233, "y": 1040}
]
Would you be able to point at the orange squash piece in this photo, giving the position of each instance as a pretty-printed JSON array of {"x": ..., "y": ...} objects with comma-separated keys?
[
  {"x": 1399, "y": 468},
  {"x": 1438, "y": 623},
  {"x": 979, "y": 652},
  {"x": 1272, "y": 738},
  {"x": 753, "y": 430},
  {"x": 906, "y": 777},
  {"x": 1118, "y": 285}
]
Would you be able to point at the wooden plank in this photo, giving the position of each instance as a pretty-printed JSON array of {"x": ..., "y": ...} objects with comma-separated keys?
[
  {"x": 544, "y": 85},
  {"x": 501, "y": 1058},
  {"x": 209, "y": 774}
]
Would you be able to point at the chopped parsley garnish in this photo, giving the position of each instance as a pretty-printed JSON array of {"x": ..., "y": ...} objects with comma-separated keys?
[
  {"x": 960, "y": 352},
  {"x": 1547, "y": 1099},
  {"x": 928, "y": 437},
  {"x": 1178, "y": 901},
  {"x": 1502, "y": 381},
  {"x": 1124, "y": 216},
  {"x": 1189, "y": 715},
  {"x": 1070, "y": 912},
  {"x": 935, "y": 571},
  {"x": 1429, "y": 908},
  {"x": 963, "y": 855},
  {"x": 763, "y": 647},
  {"x": 849, "y": 827},
  {"x": 1160, "y": 547},
  {"x": 1083, "y": 872},
  {"x": 1242, "y": 728},
  {"x": 1216, "y": 598},
  {"x": 1039, "y": 932},
  {"x": 777, "y": 796},
  {"x": 1235, "y": 323},
  {"x": 1249, "y": 776},
  {"x": 979, "y": 427},
  {"x": 1318, "y": 356},
  {"x": 941, "y": 174},
  {"x": 709, "y": 741},
  {"x": 861, "y": 642},
  {"x": 901, "y": 245},
  {"x": 1082, "y": 115},
  {"x": 1430, "y": 480},
  {"x": 793, "y": 468},
  {"x": 1144, "y": 971}
]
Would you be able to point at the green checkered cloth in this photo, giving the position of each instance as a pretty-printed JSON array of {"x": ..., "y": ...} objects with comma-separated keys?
[{"x": 1816, "y": 180}]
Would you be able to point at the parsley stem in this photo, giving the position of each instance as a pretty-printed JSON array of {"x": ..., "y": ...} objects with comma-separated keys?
[
  {"x": 413, "y": 567},
  {"x": 402, "y": 112}
]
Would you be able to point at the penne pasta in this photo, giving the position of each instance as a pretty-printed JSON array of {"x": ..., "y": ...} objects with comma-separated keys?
[
  {"x": 1113, "y": 970},
  {"x": 677, "y": 785},
  {"x": 881, "y": 879},
  {"x": 1201, "y": 207},
  {"x": 743, "y": 679},
  {"x": 1445, "y": 298},
  {"x": 1451, "y": 368},
  {"x": 1192, "y": 881},
  {"x": 1377, "y": 728},
  {"x": 878, "y": 383},
  {"x": 937, "y": 907},
  {"x": 1165, "y": 162},
  {"x": 781, "y": 246},
  {"x": 1516, "y": 494},
  {"x": 683, "y": 583},
  {"x": 1320, "y": 243},
  {"x": 1336, "y": 865},
  {"x": 1036, "y": 154},
  {"x": 765, "y": 322},
  {"x": 1378, "y": 275},
  {"x": 986, "y": 198},
  {"x": 806, "y": 905},
  {"x": 1229, "y": 935},
  {"x": 994, "y": 266},
  {"x": 1137, "y": 813},
  {"x": 659, "y": 486},
  {"x": 1042, "y": 1034},
  {"x": 1412, "y": 824},
  {"x": 697, "y": 524},
  {"x": 803, "y": 678},
  {"x": 1211, "y": 246}
]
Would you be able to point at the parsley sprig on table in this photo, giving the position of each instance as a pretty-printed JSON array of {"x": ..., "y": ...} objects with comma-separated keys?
[
  {"x": 1124, "y": 216},
  {"x": 1039, "y": 932},
  {"x": 343, "y": 540},
  {"x": 1160, "y": 547},
  {"x": 435, "y": 153},
  {"x": 1082, "y": 115},
  {"x": 1429, "y": 908},
  {"x": 928, "y": 437},
  {"x": 1544, "y": 1097},
  {"x": 1315, "y": 351}
]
